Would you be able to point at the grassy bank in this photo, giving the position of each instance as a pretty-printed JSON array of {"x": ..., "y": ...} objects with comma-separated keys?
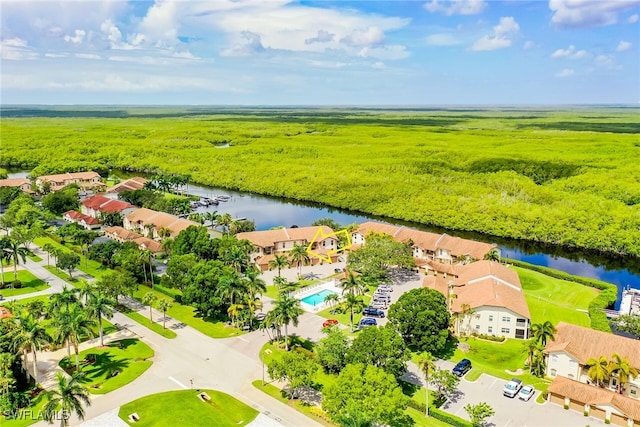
[{"x": 561, "y": 177}]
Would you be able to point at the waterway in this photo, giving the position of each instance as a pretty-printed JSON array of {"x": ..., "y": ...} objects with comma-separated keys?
[{"x": 269, "y": 212}]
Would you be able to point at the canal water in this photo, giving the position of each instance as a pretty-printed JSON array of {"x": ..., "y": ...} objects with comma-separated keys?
[{"x": 269, "y": 212}]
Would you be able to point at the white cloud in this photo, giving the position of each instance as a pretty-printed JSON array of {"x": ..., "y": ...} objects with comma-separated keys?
[
  {"x": 327, "y": 64},
  {"x": 77, "y": 39},
  {"x": 113, "y": 33},
  {"x": 606, "y": 61},
  {"x": 16, "y": 49},
  {"x": 379, "y": 65},
  {"x": 390, "y": 53},
  {"x": 502, "y": 36},
  {"x": 442, "y": 39},
  {"x": 247, "y": 44},
  {"x": 372, "y": 36},
  {"x": 588, "y": 13},
  {"x": 633, "y": 18},
  {"x": 567, "y": 72},
  {"x": 623, "y": 46},
  {"x": 528, "y": 45},
  {"x": 456, "y": 7},
  {"x": 322, "y": 37},
  {"x": 571, "y": 53}
]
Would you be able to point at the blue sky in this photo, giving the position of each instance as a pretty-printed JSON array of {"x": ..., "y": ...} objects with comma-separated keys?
[{"x": 257, "y": 52}]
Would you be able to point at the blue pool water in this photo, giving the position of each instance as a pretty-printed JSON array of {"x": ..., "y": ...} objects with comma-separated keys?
[{"x": 317, "y": 298}]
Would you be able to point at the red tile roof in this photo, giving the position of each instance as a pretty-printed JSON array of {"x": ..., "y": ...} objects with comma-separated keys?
[
  {"x": 77, "y": 216},
  {"x": 269, "y": 238},
  {"x": 105, "y": 204}
]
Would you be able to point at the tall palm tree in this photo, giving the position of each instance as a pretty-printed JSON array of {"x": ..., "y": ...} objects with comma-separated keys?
[
  {"x": 149, "y": 299},
  {"x": 16, "y": 251},
  {"x": 353, "y": 303},
  {"x": 331, "y": 300},
  {"x": 233, "y": 311},
  {"x": 299, "y": 256},
  {"x": 426, "y": 365},
  {"x": 542, "y": 332},
  {"x": 5, "y": 255},
  {"x": 253, "y": 283},
  {"x": 100, "y": 305},
  {"x": 212, "y": 217},
  {"x": 492, "y": 255},
  {"x": 79, "y": 324},
  {"x": 164, "y": 305},
  {"x": 164, "y": 232},
  {"x": 63, "y": 299},
  {"x": 69, "y": 395},
  {"x": 235, "y": 257},
  {"x": 598, "y": 370},
  {"x": 30, "y": 335},
  {"x": 623, "y": 369},
  {"x": 231, "y": 287},
  {"x": 353, "y": 284},
  {"x": 287, "y": 310},
  {"x": 279, "y": 262},
  {"x": 225, "y": 220},
  {"x": 466, "y": 313}
]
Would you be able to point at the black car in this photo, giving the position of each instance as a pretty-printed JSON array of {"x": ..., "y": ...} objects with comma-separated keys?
[
  {"x": 462, "y": 367},
  {"x": 373, "y": 311}
]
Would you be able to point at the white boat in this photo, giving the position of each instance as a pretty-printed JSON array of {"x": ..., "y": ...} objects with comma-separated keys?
[{"x": 630, "y": 303}]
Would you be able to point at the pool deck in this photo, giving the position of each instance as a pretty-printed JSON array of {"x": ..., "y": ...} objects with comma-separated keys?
[{"x": 329, "y": 285}]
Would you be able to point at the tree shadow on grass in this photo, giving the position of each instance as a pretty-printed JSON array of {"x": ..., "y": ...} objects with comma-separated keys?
[{"x": 105, "y": 365}]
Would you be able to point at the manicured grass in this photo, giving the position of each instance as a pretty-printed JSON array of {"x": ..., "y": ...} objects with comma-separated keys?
[
  {"x": 344, "y": 318},
  {"x": 276, "y": 393},
  {"x": 187, "y": 315},
  {"x": 422, "y": 421},
  {"x": 73, "y": 281},
  {"x": 92, "y": 268},
  {"x": 155, "y": 327},
  {"x": 272, "y": 292},
  {"x": 30, "y": 283},
  {"x": 34, "y": 258},
  {"x": 128, "y": 356},
  {"x": 43, "y": 298},
  {"x": 556, "y": 300},
  {"x": 495, "y": 358},
  {"x": 184, "y": 407},
  {"x": 26, "y": 418}
]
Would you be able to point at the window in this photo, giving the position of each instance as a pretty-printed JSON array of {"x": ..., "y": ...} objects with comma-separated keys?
[
  {"x": 491, "y": 318},
  {"x": 554, "y": 358},
  {"x": 505, "y": 330},
  {"x": 478, "y": 327},
  {"x": 506, "y": 319},
  {"x": 633, "y": 391},
  {"x": 490, "y": 329},
  {"x": 553, "y": 372},
  {"x": 284, "y": 245}
]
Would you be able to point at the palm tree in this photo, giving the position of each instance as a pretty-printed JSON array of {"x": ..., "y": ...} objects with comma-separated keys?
[
  {"x": 100, "y": 305},
  {"x": 15, "y": 250},
  {"x": 299, "y": 256},
  {"x": 622, "y": 368},
  {"x": 79, "y": 325},
  {"x": 231, "y": 287},
  {"x": 164, "y": 305},
  {"x": 353, "y": 284},
  {"x": 147, "y": 258},
  {"x": 353, "y": 303},
  {"x": 50, "y": 250},
  {"x": 212, "y": 217},
  {"x": 164, "y": 232},
  {"x": 224, "y": 221},
  {"x": 466, "y": 313},
  {"x": 279, "y": 262},
  {"x": 492, "y": 255},
  {"x": 235, "y": 257},
  {"x": 537, "y": 366},
  {"x": 598, "y": 370},
  {"x": 253, "y": 283},
  {"x": 149, "y": 299},
  {"x": 69, "y": 395},
  {"x": 426, "y": 365},
  {"x": 29, "y": 335},
  {"x": 287, "y": 310},
  {"x": 233, "y": 311},
  {"x": 63, "y": 299},
  {"x": 331, "y": 300},
  {"x": 542, "y": 332}
]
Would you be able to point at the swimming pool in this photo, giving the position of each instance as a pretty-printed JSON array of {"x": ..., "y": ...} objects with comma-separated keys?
[{"x": 317, "y": 298}]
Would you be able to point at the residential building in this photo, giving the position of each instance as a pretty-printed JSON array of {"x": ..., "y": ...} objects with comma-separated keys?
[
  {"x": 96, "y": 205},
  {"x": 485, "y": 297},
  {"x": 567, "y": 356},
  {"x": 135, "y": 183},
  {"x": 280, "y": 241},
  {"x": 119, "y": 234},
  {"x": 81, "y": 219},
  {"x": 23, "y": 184},
  {"x": 152, "y": 223},
  {"x": 426, "y": 246},
  {"x": 85, "y": 180}
]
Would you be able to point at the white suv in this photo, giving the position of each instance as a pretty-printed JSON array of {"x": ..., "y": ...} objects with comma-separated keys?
[{"x": 512, "y": 388}]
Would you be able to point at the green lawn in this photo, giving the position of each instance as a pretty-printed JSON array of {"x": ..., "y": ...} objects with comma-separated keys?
[
  {"x": 186, "y": 315},
  {"x": 127, "y": 356},
  {"x": 184, "y": 407},
  {"x": 554, "y": 299},
  {"x": 92, "y": 268},
  {"x": 27, "y": 418},
  {"x": 344, "y": 318},
  {"x": 73, "y": 281},
  {"x": 30, "y": 283},
  {"x": 34, "y": 258},
  {"x": 495, "y": 358},
  {"x": 155, "y": 327}
]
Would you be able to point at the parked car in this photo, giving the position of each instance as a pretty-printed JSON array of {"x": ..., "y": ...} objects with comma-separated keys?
[
  {"x": 383, "y": 305},
  {"x": 512, "y": 388},
  {"x": 462, "y": 367},
  {"x": 385, "y": 288},
  {"x": 526, "y": 393},
  {"x": 385, "y": 297},
  {"x": 329, "y": 322},
  {"x": 373, "y": 311},
  {"x": 367, "y": 321}
]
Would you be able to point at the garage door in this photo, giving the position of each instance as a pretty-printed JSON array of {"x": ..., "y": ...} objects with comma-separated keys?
[
  {"x": 558, "y": 400},
  {"x": 597, "y": 413},
  {"x": 577, "y": 406},
  {"x": 618, "y": 420}
]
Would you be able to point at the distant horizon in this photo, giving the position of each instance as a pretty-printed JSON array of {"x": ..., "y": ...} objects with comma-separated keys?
[
  {"x": 363, "y": 106},
  {"x": 320, "y": 52}
]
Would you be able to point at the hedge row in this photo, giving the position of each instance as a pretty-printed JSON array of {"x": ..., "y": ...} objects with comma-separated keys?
[
  {"x": 448, "y": 418},
  {"x": 173, "y": 293},
  {"x": 606, "y": 299}
]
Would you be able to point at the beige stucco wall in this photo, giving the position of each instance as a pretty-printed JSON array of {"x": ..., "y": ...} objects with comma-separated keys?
[{"x": 491, "y": 321}]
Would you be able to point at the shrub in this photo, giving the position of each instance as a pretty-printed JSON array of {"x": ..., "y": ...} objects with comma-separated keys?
[
  {"x": 17, "y": 284},
  {"x": 489, "y": 337},
  {"x": 419, "y": 406},
  {"x": 173, "y": 293},
  {"x": 318, "y": 412},
  {"x": 607, "y": 421},
  {"x": 450, "y": 419},
  {"x": 566, "y": 406},
  {"x": 585, "y": 413}
]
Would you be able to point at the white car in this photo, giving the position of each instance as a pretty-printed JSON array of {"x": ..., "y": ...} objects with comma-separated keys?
[
  {"x": 526, "y": 393},
  {"x": 512, "y": 388}
]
